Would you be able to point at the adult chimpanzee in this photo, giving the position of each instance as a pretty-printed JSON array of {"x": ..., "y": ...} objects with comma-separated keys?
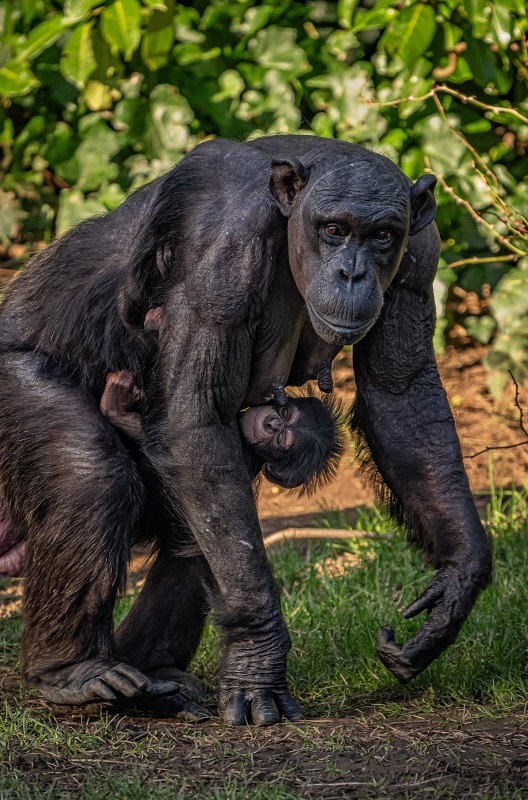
[
  {"x": 268, "y": 257},
  {"x": 298, "y": 444}
]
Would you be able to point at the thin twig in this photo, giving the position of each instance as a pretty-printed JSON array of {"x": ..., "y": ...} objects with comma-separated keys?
[
  {"x": 473, "y": 212},
  {"x": 521, "y": 426},
  {"x": 478, "y": 158},
  {"x": 476, "y": 260},
  {"x": 521, "y": 413},
  {"x": 498, "y": 447},
  {"x": 448, "y": 90}
]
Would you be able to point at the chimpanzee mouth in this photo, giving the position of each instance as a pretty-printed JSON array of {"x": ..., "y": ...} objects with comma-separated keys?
[{"x": 331, "y": 331}]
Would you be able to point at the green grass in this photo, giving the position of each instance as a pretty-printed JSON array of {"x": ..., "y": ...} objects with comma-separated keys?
[{"x": 333, "y": 622}]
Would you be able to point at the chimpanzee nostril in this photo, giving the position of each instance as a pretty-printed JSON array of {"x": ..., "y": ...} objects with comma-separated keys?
[{"x": 344, "y": 274}]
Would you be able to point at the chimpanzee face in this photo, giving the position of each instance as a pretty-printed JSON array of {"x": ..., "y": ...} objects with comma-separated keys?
[
  {"x": 348, "y": 227},
  {"x": 270, "y": 429},
  {"x": 300, "y": 443}
]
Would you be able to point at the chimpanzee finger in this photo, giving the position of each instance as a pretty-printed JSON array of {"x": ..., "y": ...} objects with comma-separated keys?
[
  {"x": 162, "y": 687},
  {"x": 264, "y": 710},
  {"x": 120, "y": 683},
  {"x": 392, "y": 656},
  {"x": 427, "y": 599},
  {"x": 134, "y": 675},
  {"x": 237, "y": 709},
  {"x": 192, "y": 712},
  {"x": 289, "y": 707},
  {"x": 97, "y": 688}
]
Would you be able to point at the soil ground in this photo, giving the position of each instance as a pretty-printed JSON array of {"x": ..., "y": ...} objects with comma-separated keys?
[
  {"x": 412, "y": 756},
  {"x": 449, "y": 754}
]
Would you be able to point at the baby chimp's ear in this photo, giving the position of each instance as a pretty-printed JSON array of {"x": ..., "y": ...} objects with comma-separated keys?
[{"x": 286, "y": 479}]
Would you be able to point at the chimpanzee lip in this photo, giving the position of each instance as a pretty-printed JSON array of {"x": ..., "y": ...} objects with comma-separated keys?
[{"x": 347, "y": 331}]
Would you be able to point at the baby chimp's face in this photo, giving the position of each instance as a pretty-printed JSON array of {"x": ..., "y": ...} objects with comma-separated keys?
[{"x": 270, "y": 429}]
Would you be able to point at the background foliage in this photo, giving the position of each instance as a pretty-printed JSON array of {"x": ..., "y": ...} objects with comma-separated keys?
[{"x": 98, "y": 97}]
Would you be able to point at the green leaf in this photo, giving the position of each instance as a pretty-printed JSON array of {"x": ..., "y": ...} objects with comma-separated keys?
[
  {"x": 158, "y": 39},
  {"x": 501, "y": 26},
  {"x": 518, "y": 6},
  {"x": 477, "y": 12},
  {"x": 98, "y": 96},
  {"x": 345, "y": 12},
  {"x": 171, "y": 116},
  {"x": 93, "y": 156},
  {"x": 10, "y": 215},
  {"x": 40, "y": 38},
  {"x": 120, "y": 26},
  {"x": 231, "y": 86},
  {"x": 130, "y": 115},
  {"x": 377, "y": 17},
  {"x": 74, "y": 207},
  {"x": 111, "y": 196},
  {"x": 16, "y": 79},
  {"x": 29, "y": 9},
  {"x": 76, "y": 10},
  {"x": 255, "y": 19},
  {"x": 481, "y": 62},
  {"x": 276, "y": 48},
  {"x": 411, "y": 33},
  {"x": 480, "y": 328},
  {"x": 78, "y": 59}
]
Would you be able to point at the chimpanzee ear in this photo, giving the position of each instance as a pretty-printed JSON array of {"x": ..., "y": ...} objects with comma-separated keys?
[
  {"x": 423, "y": 204},
  {"x": 274, "y": 475},
  {"x": 287, "y": 177}
]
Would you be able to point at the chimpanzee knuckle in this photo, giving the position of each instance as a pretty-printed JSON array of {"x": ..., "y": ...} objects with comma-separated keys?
[{"x": 176, "y": 706}]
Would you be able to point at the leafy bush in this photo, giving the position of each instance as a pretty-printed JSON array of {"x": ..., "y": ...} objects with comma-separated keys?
[{"x": 99, "y": 97}]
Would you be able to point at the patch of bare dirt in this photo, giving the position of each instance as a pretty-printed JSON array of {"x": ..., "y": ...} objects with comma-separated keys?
[
  {"x": 482, "y": 421},
  {"x": 415, "y": 756}
]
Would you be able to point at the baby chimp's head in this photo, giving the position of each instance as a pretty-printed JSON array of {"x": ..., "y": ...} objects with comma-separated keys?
[{"x": 300, "y": 443}]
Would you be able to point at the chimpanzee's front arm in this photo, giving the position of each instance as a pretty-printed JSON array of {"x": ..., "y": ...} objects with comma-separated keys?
[
  {"x": 402, "y": 411},
  {"x": 202, "y": 467}
]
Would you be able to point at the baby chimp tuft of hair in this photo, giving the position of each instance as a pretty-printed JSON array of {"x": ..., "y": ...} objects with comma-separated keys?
[{"x": 320, "y": 441}]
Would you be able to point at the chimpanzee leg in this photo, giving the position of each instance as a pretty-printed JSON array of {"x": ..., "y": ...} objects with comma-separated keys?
[
  {"x": 72, "y": 485},
  {"x": 162, "y": 631}
]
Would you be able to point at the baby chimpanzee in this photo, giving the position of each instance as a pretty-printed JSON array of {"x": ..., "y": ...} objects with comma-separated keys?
[{"x": 298, "y": 444}]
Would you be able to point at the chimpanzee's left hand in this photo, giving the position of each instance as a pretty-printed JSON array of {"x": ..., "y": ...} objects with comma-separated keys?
[{"x": 448, "y": 600}]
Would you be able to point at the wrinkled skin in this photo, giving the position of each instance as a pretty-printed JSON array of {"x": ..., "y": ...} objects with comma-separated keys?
[{"x": 254, "y": 250}]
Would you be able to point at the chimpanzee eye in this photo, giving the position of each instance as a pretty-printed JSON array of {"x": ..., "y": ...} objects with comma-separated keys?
[
  {"x": 333, "y": 229},
  {"x": 383, "y": 236}
]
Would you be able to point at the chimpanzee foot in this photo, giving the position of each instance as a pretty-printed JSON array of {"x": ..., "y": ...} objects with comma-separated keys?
[
  {"x": 93, "y": 681},
  {"x": 258, "y": 706}
]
